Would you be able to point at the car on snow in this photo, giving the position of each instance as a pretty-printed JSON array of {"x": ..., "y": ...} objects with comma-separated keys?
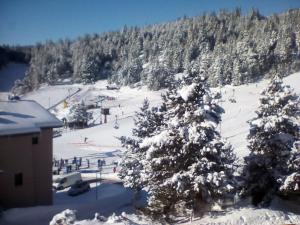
[
  {"x": 78, "y": 188},
  {"x": 66, "y": 180}
]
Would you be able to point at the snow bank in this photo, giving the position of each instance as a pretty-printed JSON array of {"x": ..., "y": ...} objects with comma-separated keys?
[
  {"x": 242, "y": 216},
  {"x": 250, "y": 216},
  {"x": 65, "y": 217}
]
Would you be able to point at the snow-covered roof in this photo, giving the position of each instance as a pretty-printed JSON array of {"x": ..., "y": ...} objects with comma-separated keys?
[{"x": 26, "y": 116}]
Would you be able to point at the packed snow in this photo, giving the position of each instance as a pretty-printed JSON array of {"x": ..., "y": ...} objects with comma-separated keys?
[
  {"x": 242, "y": 216},
  {"x": 234, "y": 126},
  {"x": 49, "y": 96}
]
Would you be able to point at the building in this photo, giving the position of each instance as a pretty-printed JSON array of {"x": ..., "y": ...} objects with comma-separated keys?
[{"x": 25, "y": 154}]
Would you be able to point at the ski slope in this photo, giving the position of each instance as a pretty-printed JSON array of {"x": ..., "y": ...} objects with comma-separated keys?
[
  {"x": 102, "y": 142},
  {"x": 48, "y": 96},
  {"x": 103, "y": 138},
  {"x": 234, "y": 126}
]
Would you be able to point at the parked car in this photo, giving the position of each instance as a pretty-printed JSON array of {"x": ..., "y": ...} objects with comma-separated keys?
[
  {"x": 66, "y": 180},
  {"x": 78, "y": 188}
]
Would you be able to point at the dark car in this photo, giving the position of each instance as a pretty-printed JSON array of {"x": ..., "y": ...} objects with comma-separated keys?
[{"x": 78, "y": 188}]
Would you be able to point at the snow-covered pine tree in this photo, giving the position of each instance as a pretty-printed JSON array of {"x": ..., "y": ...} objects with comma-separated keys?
[
  {"x": 78, "y": 116},
  {"x": 147, "y": 121},
  {"x": 187, "y": 162},
  {"x": 272, "y": 134},
  {"x": 131, "y": 167},
  {"x": 141, "y": 123},
  {"x": 291, "y": 182}
]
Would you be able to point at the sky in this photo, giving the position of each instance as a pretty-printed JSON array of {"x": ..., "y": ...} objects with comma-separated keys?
[{"x": 26, "y": 22}]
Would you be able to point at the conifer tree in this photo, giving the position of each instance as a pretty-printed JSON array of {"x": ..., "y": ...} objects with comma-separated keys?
[
  {"x": 272, "y": 134},
  {"x": 186, "y": 161},
  {"x": 79, "y": 116},
  {"x": 147, "y": 121}
]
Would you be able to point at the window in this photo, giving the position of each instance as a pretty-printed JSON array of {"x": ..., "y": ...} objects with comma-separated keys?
[
  {"x": 35, "y": 140},
  {"x": 18, "y": 179}
]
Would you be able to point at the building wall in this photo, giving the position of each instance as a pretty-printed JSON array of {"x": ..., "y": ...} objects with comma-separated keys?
[{"x": 19, "y": 155}]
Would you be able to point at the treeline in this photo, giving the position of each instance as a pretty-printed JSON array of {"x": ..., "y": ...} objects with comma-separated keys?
[
  {"x": 15, "y": 54},
  {"x": 229, "y": 47}
]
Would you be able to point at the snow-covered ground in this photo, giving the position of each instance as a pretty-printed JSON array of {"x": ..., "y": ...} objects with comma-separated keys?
[
  {"x": 242, "y": 216},
  {"x": 111, "y": 198},
  {"x": 102, "y": 143},
  {"x": 48, "y": 96},
  {"x": 102, "y": 138},
  {"x": 234, "y": 124}
]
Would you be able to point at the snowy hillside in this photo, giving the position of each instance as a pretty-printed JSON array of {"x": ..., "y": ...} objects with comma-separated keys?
[
  {"x": 102, "y": 143},
  {"x": 124, "y": 102},
  {"x": 234, "y": 126},
  {"x": 103, "y": 137},
  {"x": 51, "y": 95},
  {"x": 8, "y": 75}
]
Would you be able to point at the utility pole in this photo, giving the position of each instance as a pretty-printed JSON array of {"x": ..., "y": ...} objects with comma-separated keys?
[
  {"x": 100, "y": 112},
  {"x": 99, "y": 166}
]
